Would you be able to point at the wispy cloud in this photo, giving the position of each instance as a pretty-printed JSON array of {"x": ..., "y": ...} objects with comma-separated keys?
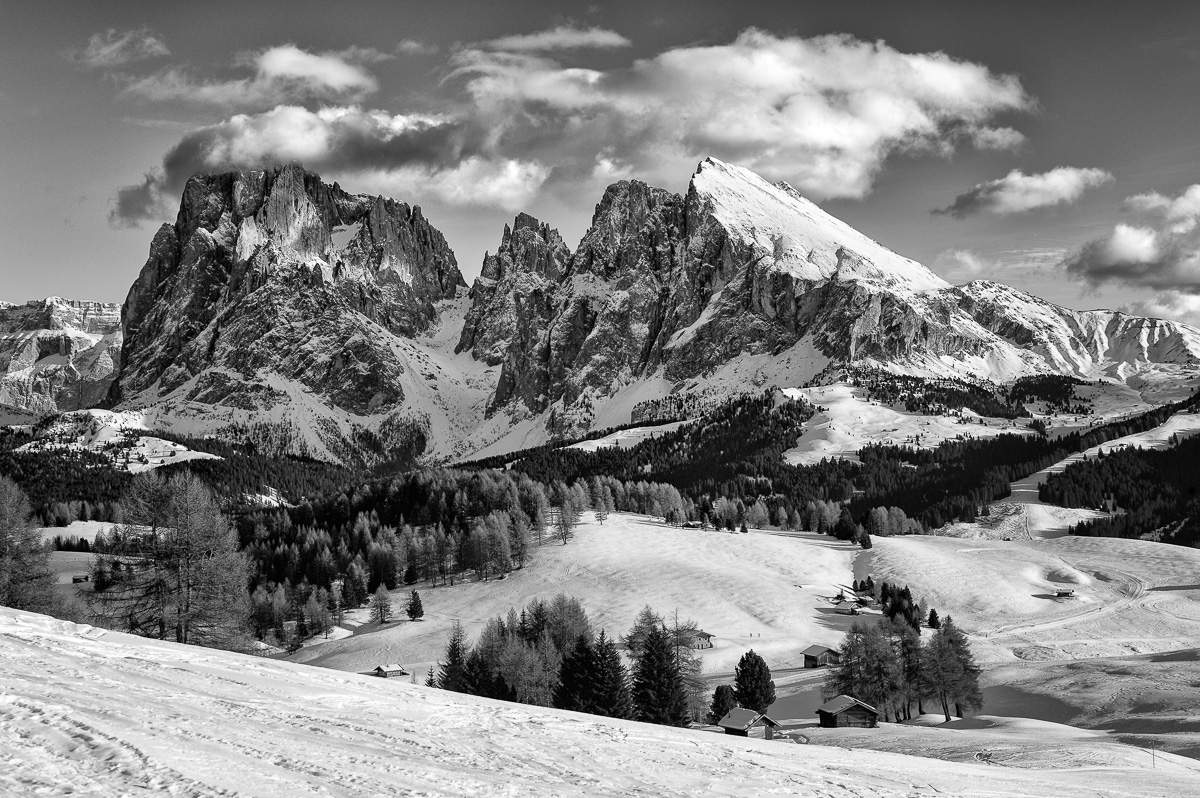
[
  {"x": 113, "y": 48},
  {"x": 1018, "y": 192},
  {"x": 564, "y": 37},
  {"x": 414, "y": 47},
  {"x": 281, "y": 74},
  {"x": 1173, "y": 305},
  {"x": 1158, "y": 247}
]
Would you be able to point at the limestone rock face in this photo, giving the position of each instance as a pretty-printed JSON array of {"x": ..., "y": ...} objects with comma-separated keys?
[
  {"x": 58, "y": 354},
  {"x": 276, "y": 293}
]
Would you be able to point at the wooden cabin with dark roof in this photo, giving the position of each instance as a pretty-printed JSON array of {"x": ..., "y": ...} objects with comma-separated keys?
[
  {"x": 817, "y": 656},
  {"x": 847, "y": 712},
  {"x": 748, "y": 723}
]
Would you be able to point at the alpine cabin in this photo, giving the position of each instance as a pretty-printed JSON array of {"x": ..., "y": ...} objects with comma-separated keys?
[
  {"x": 818, "y": 656},
  {"x": 748, "y": 723},
  {"x": 847, "y": 712}
]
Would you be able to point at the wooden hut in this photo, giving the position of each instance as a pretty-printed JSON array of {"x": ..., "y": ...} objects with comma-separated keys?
[
  {"x": 1064, "y": 592},
  {"x": 847, "y": 711},
  {"x": 817, "y": 656},
  {"x": 389, "y": 671},
  {"x": 748, "y": 723},
  {"x": 847, "y": 608}
]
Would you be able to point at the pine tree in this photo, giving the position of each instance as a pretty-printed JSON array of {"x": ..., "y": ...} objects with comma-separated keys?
[
  {"x": 577, "y": 678},
  {"x": 430, "y": 681},
  {"x": 934, "y": 621},
  {"x": 381, "y": 605},
  {"x": 752, "y": 685},
  {"x": 846, "y": 528},
  {"x": 612, "y": 697},
  {"x": 414, "y": 609},
  {"x": 658, "y": 694},
  {"x": 646, "y": 621},
  {"x": 26, "y": 581},
  {"x": 452, "y": 675},
  {"x": 951, "y": 675},
  {"x": 722, "y": 702}
]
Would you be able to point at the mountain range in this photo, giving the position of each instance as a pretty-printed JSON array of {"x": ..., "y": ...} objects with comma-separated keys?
[{"x": 284, "y": 310}]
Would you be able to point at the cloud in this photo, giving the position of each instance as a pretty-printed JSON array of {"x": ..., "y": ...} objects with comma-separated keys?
[
  {"x": 962, "y": 265},
  {"x": 1173, "y": 305},
  {"x": 823, "y": 113},
  {"x": 407, "y": 153},
  {"x": 282, "y": 74},
  {"x": 1159, "y": 247},
  {"x": 999, "y": 138},
  {"x": 563, "y": 37},
  {"x": 414, "y": 47},
  {"x": 1018, "y": 192},
  {"x": 113, "y": 48}
]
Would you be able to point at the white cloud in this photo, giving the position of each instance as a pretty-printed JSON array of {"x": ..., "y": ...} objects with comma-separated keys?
[
  {"x": 999, "y": 138},
  {"x": 281, "y": 74},
  {"x": 962, "y": 265},
  {"x": 564, "y": 37},
  {"x": 506, "y": 183},
  {"x": 1018, "y": 192},
  {"x": 1173, "y": 305},
  {"x": 1160, "y": 250},
  {"x": 414, "y": 47},
  {"x": 114, "y": 48},
  {"x": 822, "y": 113}
]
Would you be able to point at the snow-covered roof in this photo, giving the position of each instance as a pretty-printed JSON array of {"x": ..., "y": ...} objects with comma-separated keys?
[
  {"x": 816, "y": 651},
  {"x": 390, "y": 668},
  {"x": 843, "y": 702},
  {"x": 743, "y": 719}
]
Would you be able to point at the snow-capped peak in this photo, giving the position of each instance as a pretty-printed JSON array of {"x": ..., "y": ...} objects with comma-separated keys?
[{"x": 795, "y": 235}]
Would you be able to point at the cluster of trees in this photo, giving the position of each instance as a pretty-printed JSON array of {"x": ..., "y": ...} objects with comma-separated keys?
[
  {"x": 752, "y": 688},
  {"x": 935, "y": 397},
  {"x": 174, "y": 571},
  {"x": 888, "y": 666},
  {"x": 1158, "y": 492},
  {"x": 26, "y": 581},
  {"x": 549, "y": 655},
  {"x": 899, "y": 606},
  {"x": 1056, "y": 390}
]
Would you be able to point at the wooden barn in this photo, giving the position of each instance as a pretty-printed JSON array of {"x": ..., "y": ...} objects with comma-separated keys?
[
  {"x": 389, "y": 671},
  {"x": 847, "y": 711},
  {"x": 702, "y": 639},
  {"x": 847, "y": 608},
  {"x": 817, "y": 656},
  {"x": 1064, "y": 592},
  {"x": 748, "y": 723}
]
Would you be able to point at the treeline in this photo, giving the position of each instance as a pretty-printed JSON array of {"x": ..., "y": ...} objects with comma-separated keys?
[
  {"x": 934, "y": 397},
  {"x": 550, "y": 655},
  {"x": 62, "y": 484},
  {"x": 1057, "y": 391},
  {"x": 1156, "y": 493},
  {"x": 888, "y": 666}
]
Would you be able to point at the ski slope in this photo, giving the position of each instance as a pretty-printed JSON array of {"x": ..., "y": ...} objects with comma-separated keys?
[{"x": 89, "y": 712}]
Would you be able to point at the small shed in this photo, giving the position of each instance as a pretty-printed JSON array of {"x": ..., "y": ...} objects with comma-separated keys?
[
  {"x": 847, "y": 711},
  {"x": 816, "y": 656},
  {"x": 1064, "y": 592},
  {"x": 77, "y": 578},
  {"x": 693, "y": 524},
  {"x": 389, "y": 671},
  {"x": 847, "y": 608},
  {"x": 748, "y": 723},
  {"x": 702, "y": 639}
]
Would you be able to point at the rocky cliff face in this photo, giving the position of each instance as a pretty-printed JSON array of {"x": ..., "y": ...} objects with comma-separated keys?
[
  {"x": 276, "y": 294},
  {"x": 58, "y": 354},
  {"x": 742, "y": 282}
]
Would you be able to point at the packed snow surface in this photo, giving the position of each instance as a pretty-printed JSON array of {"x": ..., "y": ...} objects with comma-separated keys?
[{"x": 89, "y": 712}]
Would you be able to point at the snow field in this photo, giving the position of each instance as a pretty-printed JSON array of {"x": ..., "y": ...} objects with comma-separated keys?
[
  {"x": 769, "y": 592},
  {"x": 125, "y": 715}
]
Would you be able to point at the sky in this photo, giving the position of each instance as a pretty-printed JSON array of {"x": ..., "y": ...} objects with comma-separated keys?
[{"x": 1050, "y": 146}]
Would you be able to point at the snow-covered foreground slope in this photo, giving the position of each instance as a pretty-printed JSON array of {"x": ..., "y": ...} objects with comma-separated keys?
[
  {"x": 85, "y": 712},
  {"x": 763, "y": 591}
]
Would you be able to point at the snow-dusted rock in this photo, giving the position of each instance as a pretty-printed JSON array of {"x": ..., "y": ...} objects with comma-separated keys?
[{"x": 58, "y": 354}]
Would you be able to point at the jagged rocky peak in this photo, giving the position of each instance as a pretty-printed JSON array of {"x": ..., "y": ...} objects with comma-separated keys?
[
  {"x": 515, "y": 292},
  {"x": 635, "y": 226},
  {"x": 58, "y": 354},
  {"x": 272, "y": 283}
]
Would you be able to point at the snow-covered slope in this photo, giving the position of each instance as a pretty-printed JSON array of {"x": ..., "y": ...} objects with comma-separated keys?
[
  {"x": 98, "y": 713},
  {"x": 57, "y": 354}
]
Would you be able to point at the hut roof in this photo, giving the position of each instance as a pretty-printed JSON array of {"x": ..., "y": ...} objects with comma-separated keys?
[
  {"x": 843, "y": 702},
  {"x": 743, "y": 719},
  {"x": 816, "y": 651},
  {"x": 390, "y": 668}
]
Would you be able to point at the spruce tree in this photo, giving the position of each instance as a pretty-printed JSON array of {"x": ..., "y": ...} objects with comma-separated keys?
[
  {"x": 26, "y": 581},
  {"x": 949, "y": 669},
  {"x": 722, "y": 702},
  {"x": 934, "y": 621},
  {"x": 452, "y": 675},
  {"x": 845, "y": 529},
  {"x": 752, "y": 685},
  {"x": 612, "y": 697},
  {"x": 658, "y": 694},
  {"x": 415, "y": 610},
  {"x": 577, "y": 680}
]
